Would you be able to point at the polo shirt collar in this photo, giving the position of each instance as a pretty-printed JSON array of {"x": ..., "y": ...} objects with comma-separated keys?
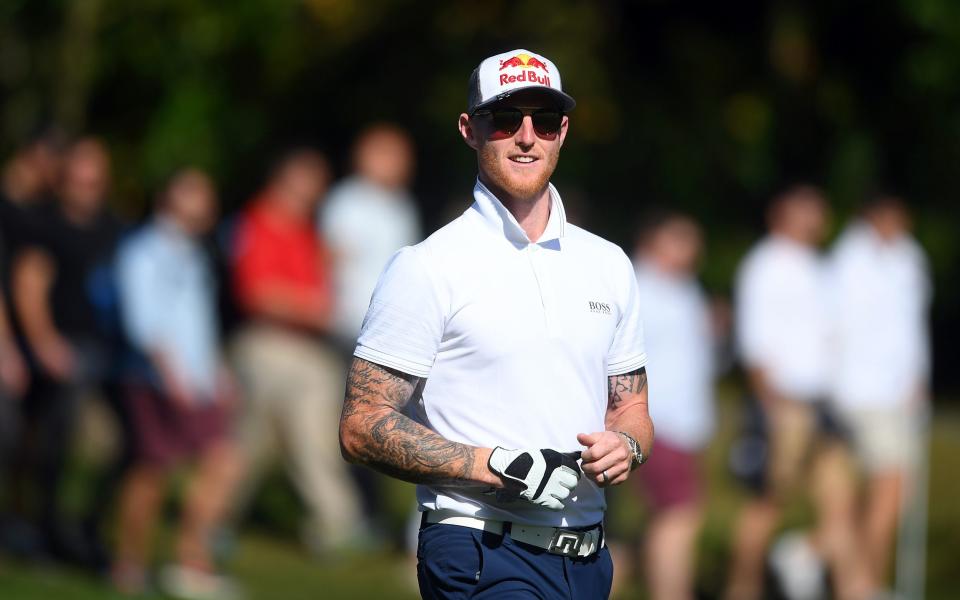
[{"x": 495, "y": 214}]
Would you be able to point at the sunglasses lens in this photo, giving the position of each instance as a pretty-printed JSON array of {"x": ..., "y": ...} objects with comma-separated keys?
[
  {"x": 547, "y": 122},
  {"x": 507, "y": 120}
]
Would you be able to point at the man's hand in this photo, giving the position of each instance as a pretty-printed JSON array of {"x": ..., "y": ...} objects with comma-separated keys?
[
  {"x": 57, "y": 357},
  {"x": 177, "y": 392},
  {"x": 543, "y": 477},
  {"x": 13, "y": 373},
  {"x": 174, "y": 388},
  {"x": 228, "y": 392},
  {"x": 607, "y": 457}
]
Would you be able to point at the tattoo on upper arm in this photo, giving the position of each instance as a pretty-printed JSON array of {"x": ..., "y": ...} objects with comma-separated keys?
[
  {"x": 627, "y": 383},
  {"x": 395, "y": 444},
  {"x": 370, "y": 384}
]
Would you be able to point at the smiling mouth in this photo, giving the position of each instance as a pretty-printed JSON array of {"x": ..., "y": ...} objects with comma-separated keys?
[{"x": 523, "y": 159}]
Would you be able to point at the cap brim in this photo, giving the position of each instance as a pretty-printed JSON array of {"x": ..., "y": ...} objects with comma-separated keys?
[{"x": 565, "y": 102}]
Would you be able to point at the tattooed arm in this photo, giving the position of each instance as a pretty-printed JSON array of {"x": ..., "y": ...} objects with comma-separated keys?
[
  {"x": 627, "y": 407},
  {"x": 608, "y": 451},
  {"x": 375, "y": 432}
]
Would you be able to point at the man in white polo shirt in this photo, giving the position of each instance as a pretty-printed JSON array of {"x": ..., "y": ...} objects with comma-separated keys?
[
  {"x": 513, "y": 339},
  {"x": 882, "y": 290},
  {"x": 782, "y": 326}
]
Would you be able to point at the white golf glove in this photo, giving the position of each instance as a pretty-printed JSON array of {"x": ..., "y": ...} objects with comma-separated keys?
[{"x": 543, "y": 477}]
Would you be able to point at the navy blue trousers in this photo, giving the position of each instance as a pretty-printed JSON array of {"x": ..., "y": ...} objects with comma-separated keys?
[{"x": 460, "y": 562}]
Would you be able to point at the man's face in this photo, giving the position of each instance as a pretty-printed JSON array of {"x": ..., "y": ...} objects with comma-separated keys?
[
  {"x": 677, "y": 245},
  {"x": 192, "y": 200},
  {"x": 386, "y": 157},
  {"x": 86, "y": 176},
  {"x": 890, "y": 221},
  {"x": 803, "y": 215},
  {"x": 301, "y": 185},
  {"x": 518, "y": 165},
  {"x": 811, "y": 216}
]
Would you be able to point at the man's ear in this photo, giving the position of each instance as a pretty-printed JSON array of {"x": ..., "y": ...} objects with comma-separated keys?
[
  {"x": 468, "y": 132},
  {"x": 564, "y": 126}
]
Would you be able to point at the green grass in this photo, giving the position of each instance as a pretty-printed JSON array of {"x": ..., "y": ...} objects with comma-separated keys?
[
  {"x": 269, "y": 569},
  {"x": 271, "y": 565}
]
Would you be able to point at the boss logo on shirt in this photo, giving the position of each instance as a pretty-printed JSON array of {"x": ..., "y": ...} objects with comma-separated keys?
[{"x": 601, "y": 308}]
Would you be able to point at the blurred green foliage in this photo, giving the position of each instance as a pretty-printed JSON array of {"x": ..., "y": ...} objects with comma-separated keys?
[{"x": 703, "y": 106}]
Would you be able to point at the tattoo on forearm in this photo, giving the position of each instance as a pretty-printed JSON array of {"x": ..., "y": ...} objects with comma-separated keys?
[
  {"x": 627, "y": 383},
  {"x": 392, "y": 442}
]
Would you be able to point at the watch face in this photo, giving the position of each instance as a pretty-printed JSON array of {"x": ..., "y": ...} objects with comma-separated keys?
[
  {"x": 637, "y": 453},
  {"x": 634, "y": 449}
]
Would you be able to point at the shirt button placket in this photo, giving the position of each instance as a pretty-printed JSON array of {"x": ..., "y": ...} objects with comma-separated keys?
[{"x": 537, "y": 262}]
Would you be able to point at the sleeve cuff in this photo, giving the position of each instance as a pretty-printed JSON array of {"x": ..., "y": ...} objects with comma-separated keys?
[
  {"x": 411, "y": 367},
  {"x": 626, "y": 364}
]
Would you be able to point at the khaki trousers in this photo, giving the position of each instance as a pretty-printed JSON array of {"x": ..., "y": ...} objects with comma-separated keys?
[
  {"x": 801, "y": 454},
  {"x": 293, "y": 392}
]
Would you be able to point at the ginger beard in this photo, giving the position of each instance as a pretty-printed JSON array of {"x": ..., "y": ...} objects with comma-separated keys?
[{"x": 523, "y": 182}]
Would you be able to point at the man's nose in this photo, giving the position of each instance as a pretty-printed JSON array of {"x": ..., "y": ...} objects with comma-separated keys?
[{"x": 526, "y": 136}]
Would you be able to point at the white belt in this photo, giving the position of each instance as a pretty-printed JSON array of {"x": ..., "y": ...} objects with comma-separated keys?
[{"x": 555, "y": 540}]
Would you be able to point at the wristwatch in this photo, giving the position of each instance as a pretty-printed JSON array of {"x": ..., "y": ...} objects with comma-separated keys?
[{"x": 634, "y": 445}]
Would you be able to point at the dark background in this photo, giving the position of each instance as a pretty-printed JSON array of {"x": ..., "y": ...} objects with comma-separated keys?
[{"x": 704, "y": 106}]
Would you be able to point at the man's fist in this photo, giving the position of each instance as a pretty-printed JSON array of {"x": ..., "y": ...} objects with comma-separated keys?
[
  {"x": 543, "y": 477},
  {"x": 607, "y": 458}
]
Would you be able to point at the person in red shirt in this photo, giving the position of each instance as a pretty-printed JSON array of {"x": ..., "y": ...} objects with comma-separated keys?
[{"x": 292, "y": 377}]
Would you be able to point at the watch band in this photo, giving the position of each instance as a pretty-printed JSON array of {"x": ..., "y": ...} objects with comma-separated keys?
[{"x": 635, "y": 449}]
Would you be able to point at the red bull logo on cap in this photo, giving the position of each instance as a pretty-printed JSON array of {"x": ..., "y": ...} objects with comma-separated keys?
[{"x": 525, "y": 62}]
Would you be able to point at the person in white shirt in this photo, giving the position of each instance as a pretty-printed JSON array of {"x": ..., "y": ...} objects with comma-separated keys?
[
  {"x": 508, "y": 328},
  {"x": 679, "y": 339},
  {"x": 782, "y": 327},
  {"x": 882, "y": 293},
  {"x": 366, "y": 218}
]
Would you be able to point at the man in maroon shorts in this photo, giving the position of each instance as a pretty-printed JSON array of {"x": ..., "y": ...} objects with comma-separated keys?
[
  {"x": 179, "y": 393},
  {"x": 680, "y": 342}
]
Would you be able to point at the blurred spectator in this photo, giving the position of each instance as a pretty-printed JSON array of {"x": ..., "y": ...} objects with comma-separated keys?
[
  {"x": 367, "y": 217},
  {"x": 782, "y": 320},
  {"x": 179, "y": 392},
  {"x": 292, "y": 378},
  {"x": 27, "y": 181},
  {"x": 680, "y": 344},
  {"x": 882, "y": 368},
  {"x": 29, "y": 178},
  {"x": 61, "y": 290},
  {"x": 13, "y": 372},
  {"x": 13, "y": 379}
]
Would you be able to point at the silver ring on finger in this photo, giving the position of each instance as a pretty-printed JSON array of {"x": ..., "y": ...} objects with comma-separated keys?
[{"x": 606, "y": 479}]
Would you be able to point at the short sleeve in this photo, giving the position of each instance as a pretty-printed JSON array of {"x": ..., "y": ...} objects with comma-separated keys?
[
  {"x": 141, "y": 294},
  {"x": 342, "y": 226},
  {"x": 627, "y": 351},
  {"x": 404, "y": 322},
  {"x": 752, "y": 318}
]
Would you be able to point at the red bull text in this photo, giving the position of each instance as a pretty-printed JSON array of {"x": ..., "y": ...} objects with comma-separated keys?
[
  {"x": 530, "y": 76},
  {"x": 525, "y": 62}
]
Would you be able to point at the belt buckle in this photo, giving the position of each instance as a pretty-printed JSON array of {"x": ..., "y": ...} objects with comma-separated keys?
[{"x": 566, "y": 543}]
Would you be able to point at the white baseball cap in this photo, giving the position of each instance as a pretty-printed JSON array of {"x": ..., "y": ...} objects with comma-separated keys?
[{"x": 503, "y": 74}]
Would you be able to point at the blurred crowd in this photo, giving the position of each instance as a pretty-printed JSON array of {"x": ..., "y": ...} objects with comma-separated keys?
[
  {"x": 131, "y": 316},
  {"x": 220, "y": 344},
  {"x": 835, "y": 352}
]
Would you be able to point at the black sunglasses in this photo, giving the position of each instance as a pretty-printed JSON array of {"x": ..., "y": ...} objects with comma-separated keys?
[{"x": 546, "y": 121}]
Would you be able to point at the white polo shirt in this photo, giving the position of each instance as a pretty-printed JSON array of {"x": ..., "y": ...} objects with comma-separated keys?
[
  {"x": 782, "y": 316},
  {"x": 680, "y": 345},
  {"x": 516, "y": 340},
  {"x": 364, "y": 224},
  {"x": 881, "y": 293}
]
